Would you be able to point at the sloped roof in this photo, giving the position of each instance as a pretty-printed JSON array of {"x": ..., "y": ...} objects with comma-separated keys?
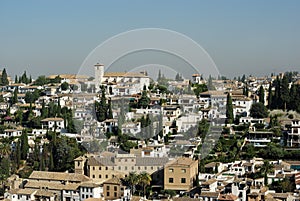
[
  {"x": 151, "y": 161},
  {"x": 53, "y": 119},
  {"x": 227, "y": 197},
  {"x": 181, "y": 162},
  {"x": 59, "y": 176},
  {"x": 209, "y": 194}
]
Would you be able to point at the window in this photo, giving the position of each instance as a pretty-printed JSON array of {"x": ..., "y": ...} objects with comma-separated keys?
[
  {"x": 171, "y": 170},
  {"x": 107, "y": 188},
  {"x": 115, "y": 188},
  {"x": 93, "y": 176},
  {"x": 106, "y": 168},
  {"x": 183, "y": 170},
  {"x": 171, "y": 180},
  {"x": 183, "y": 180},
  {"x": 115, "y": 194},
  {"x": 99, "y": 168},
  {"x": 100, "y": 176},
  {"x": 107, "y": 194},
  {"x": 106, "y": 176}
]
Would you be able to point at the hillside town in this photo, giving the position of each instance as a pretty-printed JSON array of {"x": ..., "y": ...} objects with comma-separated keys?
[{"x": 127, "y": 136}]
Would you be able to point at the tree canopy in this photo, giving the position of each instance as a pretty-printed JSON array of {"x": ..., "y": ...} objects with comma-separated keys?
[{"x": 258, "y": 110}]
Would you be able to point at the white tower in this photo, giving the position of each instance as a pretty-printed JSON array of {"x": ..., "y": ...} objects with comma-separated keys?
[{"x": 99, "y": 73}]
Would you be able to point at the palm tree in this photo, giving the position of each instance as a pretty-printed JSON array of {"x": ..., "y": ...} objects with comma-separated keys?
[
  {"x": 144, "y": 179},
  {"x": 132, "y": 179},
  {"x": 265, "y": 169},
  {"x": 5, "y": 150}
]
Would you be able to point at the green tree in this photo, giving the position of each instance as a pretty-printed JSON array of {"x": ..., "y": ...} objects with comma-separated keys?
[
  {"x": 286, "y": 185},
  {"x": 229, "y": 110},
  {"x": 258, "y": 110},
  {"x": 132, "y": 179},
  {"x": 144, "y": 179},
  {"x": 144, "y": 101},
  {"x": 261, "y": 94},
  {"x": 24, "y": 78},
  {"x": 14, "y": 98},
  {"x": 277, "y": 101},
  {"x": 17, "y": 154},
  {"x": 284, "y": 95},
  {"x": 64, "y": 151},
  {"x": 24, "y": 145},
  {"x": 41, "y": 81},
  {"x": 101, "y": 107},
  {"x": 199, "y": 88},
  {"x": 19, "y": 116},
  {"x": 203, "y": 128},
  {"x": 5, "y": 150},
  {"x": 4, "y": 79},
  {"x": 270, "y": 97},
  {"x": 159, "y": 76},
  {"x": 265, "y": 169},
  {"x": 44, "y": 112},
  {"x": 4, "y": 170},
  {"x": 64, "y": 86}
]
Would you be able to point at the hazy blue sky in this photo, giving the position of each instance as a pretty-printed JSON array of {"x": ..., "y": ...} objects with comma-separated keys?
[{"x": 251, "y": 37}]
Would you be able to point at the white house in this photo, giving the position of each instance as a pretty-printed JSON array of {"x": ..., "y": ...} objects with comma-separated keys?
[
  {"x": 131, "y": 127},
  {"x": 90, "y": 190},
  {"x": 241, "y": 105},
  {"x": 11, "y": 133},
  {"x": 53, "y": 123},
  {"x": 294, "y": 134}
]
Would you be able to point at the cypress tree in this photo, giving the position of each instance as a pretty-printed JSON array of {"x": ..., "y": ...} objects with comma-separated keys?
[
  {"x": 261, "y": 95},
  {"x": 18, "y": 154},
  {"x": 24, "y": 145},
  {"x": 276, "y": 99},
  {"x": 270, "y": 97},
  {"x": 15, "y": 96},
  {"x": 4, "y": 79},
  {"x": 229, "y": 110},
  {"x": 284, "y": 95},
  {"x": 101, "y": 108},
  {"x": 159, "y": 76},
  {"x": 43, "y": 110}
]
